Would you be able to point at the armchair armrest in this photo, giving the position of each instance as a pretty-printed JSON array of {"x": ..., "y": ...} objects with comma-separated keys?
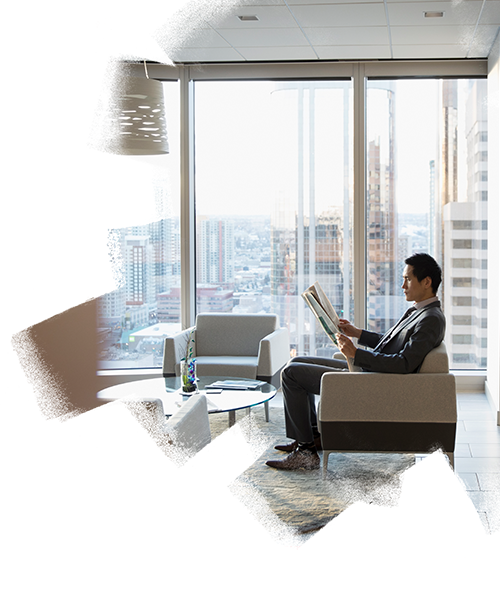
[
  {"x": 388, "y": 397},
  {"x": 274, "y": 352},
  {"x": 189, "y": 427},
  {"x": 174, "y": 349}
]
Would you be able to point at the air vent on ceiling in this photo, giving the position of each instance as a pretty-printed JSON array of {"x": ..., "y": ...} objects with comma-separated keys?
[
  {"x": 248, "y": 17},
  {"x": 433, "y": 14}
]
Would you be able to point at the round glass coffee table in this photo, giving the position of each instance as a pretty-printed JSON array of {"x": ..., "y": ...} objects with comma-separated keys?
[{"x": 168, "y": 390}]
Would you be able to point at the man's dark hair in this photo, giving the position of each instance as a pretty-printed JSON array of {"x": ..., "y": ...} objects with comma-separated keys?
[{"x": 425, "y": 266}]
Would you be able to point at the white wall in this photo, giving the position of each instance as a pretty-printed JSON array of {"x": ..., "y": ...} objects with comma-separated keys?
[{"x": 493, "y": 378}]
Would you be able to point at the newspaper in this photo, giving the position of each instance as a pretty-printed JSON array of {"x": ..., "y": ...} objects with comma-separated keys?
[{"x": 323, "y": 310}]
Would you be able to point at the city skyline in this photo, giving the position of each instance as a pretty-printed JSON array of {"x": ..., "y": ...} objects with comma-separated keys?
[{"x": 308, "y": 207}]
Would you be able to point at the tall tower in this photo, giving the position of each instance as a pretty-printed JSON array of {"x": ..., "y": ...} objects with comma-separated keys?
[
  {"x": 383, "y": 285},
  {"x": 449, "y": 160},
  {"x": 449, "y": 149},
  {"x": 308, "y": 223},
  {"x": 139, "y": 267},
  {"x": 215, "y": 251},
  {"x": 432, "y": 209},
  {"x": 466, "y": 237},
  {"x": 161, "y": 235}
]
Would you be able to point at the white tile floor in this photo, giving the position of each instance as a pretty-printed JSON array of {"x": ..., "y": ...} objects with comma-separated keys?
[{"x": 477, "y": 455}]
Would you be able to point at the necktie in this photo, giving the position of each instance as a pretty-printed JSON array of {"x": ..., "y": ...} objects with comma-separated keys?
[
  {"x": 389, "y": 334},
  {"x": 411, "y": 310}
]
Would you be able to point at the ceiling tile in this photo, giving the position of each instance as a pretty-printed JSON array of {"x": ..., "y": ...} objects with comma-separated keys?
[
  {"x": 485, "y": 34},
  {"x": 429, "y": 51},
  {"x": 340, "y": 15},
  {"x": 297, "y": 53},
  {"x": 353, "y": 52},
  {"x": 491, "y": 13},
  {"x": 455, "y": 13},
  {"x": 479, "y": 50},
  {"x": 328, "y": 36},
  {"x": 264, "y": 37},
  {"x": 269, "y": 16},
  {"x": 433, "y": 35},
  {"x": 204, "y": 55},
  {"x": 204, "y": 38}
]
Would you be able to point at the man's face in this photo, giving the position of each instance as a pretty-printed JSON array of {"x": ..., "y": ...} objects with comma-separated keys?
[{"x": 415, "y": 290}]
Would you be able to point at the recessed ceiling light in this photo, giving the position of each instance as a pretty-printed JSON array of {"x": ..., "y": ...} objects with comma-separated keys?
[
  {"x": 433, "y": 14},
  {"x": 248, "y": 17}
]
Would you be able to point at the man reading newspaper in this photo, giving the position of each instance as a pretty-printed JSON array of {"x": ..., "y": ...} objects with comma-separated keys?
[{"x": 402, "y": 349}]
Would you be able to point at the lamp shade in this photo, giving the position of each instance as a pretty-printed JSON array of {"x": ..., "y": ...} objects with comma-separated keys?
[{"x": 139, "y": 117}]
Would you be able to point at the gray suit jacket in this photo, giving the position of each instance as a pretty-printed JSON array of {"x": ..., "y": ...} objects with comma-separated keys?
[{"x": 403, "y": 348}]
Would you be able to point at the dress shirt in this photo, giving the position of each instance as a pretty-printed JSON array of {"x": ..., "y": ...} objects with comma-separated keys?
[
  {"x": 395, "y": 328},
  {"x": 423, "y": 303}
]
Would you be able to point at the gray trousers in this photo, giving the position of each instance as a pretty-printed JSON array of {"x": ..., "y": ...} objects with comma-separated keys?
[{"x": 300, "y": 382}]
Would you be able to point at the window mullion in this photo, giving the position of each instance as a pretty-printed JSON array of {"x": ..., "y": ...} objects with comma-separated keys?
[
  {"x": 359, "y": 211},
  {"x": 187, "y": 221}
]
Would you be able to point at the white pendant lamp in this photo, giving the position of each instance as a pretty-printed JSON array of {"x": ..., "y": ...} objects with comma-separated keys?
[{"x": 136, "y": 116}]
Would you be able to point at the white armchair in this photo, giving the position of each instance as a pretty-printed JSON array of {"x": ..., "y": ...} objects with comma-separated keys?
[
  {"x": 387, "y": 412},
  {"x": 251, "y": 346},
  {"x": 184, "y": 434}
]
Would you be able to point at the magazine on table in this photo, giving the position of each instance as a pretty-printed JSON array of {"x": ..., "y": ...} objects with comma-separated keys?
[
  {"x": 327, "y": 316},
  {"x": 235, "y": 384}
]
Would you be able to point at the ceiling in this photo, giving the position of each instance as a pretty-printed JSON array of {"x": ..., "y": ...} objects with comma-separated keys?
[{"x": 308, "y": 30}]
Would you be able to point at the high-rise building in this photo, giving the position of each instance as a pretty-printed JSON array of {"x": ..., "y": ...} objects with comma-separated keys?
[
  {"x": 323, "y": 251},
  {"x": 432, "y": 221},
  {"x": 284, "y": 289},
  {"x": 214, "y": 251},
  {"x": 162, "y": 238},
  {"x": 466, "y": 237},
  {"x": 449, "y": 142},
  {"x": 111, "y": 309},
  {"x": 310, "y": 239},
  {"x": 321, "y": 259},
  {"x": 448, "y": 173},
  {"x": 384, "y": 268},
  {"x": 139, "y": 271}
]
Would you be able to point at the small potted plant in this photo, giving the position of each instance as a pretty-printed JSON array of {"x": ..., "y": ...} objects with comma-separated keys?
[{"x": 188, "y": 368}]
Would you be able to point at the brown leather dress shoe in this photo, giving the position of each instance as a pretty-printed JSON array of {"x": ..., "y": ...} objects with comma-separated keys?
[
  {"x": 287, "y": 447},
  {"x": 294, "y": 445},
  {"x": 298, "y": 459}
]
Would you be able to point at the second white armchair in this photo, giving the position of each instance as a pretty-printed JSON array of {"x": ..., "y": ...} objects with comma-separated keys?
[{"x": 251, "y": 346}]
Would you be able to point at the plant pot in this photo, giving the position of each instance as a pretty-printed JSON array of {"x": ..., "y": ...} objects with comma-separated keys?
[{"x": 188, "y": 375}]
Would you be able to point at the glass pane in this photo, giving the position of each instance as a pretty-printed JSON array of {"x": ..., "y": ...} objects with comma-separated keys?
[
  {"x": 427, "y": 192},
  {"x": 134, "y": 319},
  {"x": 273, "y": 200}
]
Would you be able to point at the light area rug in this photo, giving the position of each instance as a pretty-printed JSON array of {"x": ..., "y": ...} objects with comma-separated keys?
[{"x": 302, "y": 502}]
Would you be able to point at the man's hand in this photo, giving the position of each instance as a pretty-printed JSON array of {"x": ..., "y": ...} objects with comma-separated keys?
[
  {"x": 349, "y": 329},
  {"x": 345, "y": 345}
]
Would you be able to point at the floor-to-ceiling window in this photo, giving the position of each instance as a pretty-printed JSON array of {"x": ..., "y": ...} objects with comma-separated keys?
[
  {"x": 273, "y": 183},
  {"x": 426, "y": 191},
  {"x": 284, "y": 193},
  {"x": 134, "y": 319}
]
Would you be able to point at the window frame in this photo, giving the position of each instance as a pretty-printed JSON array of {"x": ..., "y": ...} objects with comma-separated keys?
[{"x": 359, "y": 72}]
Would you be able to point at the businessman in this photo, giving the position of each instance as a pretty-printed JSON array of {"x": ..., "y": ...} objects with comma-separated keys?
[{"x": 402, "y": 349}]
